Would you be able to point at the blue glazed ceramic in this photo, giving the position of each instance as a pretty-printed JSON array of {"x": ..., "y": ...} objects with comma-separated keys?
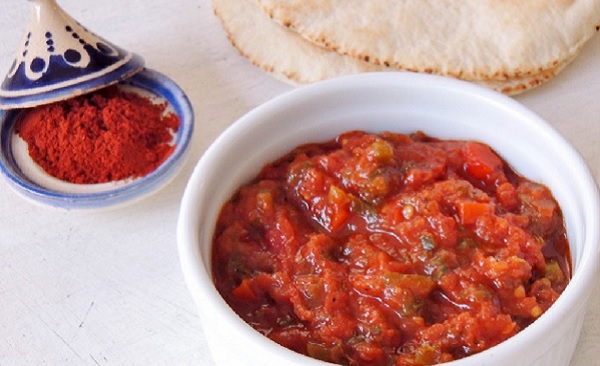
[
  {"x": 59, "y": 59},
  {"x": 30, "y": 181}
]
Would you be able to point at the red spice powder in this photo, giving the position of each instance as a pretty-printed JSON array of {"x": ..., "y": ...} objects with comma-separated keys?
[{"x": 100, "y": 137}]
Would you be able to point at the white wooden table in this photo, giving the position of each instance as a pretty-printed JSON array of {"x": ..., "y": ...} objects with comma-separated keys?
[{"x": 106, "y": 288}]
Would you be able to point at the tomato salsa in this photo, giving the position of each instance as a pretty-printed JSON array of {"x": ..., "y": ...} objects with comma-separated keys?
[{"x": 390, "y": 249}]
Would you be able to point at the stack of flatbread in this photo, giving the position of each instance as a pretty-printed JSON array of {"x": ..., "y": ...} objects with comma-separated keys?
[{"x": 507, "y": 45}]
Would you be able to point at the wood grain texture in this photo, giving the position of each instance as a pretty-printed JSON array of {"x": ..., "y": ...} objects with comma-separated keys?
[{"x": 106, "y": 288}]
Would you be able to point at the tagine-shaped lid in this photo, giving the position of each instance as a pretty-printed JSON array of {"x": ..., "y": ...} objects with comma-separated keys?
[{"x": 59, "y": 59}]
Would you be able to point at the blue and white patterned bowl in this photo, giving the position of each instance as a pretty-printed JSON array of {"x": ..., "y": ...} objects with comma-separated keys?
[
  {"x": 29, "y": 180},
  {"x": 59, "y": 59}
]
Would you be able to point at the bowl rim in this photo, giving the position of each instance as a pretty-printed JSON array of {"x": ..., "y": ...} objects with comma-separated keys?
[{"x": 198, "y": 277}]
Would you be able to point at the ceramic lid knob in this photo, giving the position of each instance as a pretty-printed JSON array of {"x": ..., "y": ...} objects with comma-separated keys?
[{"x": 59, "y": 59}]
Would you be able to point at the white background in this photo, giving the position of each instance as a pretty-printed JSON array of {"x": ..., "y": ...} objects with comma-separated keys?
[{"x": 106, "y": 288}]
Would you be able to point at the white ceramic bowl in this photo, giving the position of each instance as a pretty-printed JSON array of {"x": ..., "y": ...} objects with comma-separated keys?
[{"x": 400, "y": 102}]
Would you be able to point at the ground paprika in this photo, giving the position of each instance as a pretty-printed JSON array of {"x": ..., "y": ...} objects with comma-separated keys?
[{"x": 104, "y": 136}]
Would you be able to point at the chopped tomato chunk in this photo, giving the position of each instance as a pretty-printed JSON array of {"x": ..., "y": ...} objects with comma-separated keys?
[
  {"x": 469, "y": 211},
  {"x": 482, "y": 163}
]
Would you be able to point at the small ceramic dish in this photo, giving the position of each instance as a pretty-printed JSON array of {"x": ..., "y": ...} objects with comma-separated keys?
[
  {"x": 60, "y": 59},
  {"x": 29, "y": 180},
  {"x": 397, "y": 102}
]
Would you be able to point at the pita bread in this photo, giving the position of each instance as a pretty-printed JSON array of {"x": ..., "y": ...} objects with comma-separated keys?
[
  {"x": 468, "y": 39},
  {"x": 277, "y": 49},
  {"x": 291, "y": 58}
]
